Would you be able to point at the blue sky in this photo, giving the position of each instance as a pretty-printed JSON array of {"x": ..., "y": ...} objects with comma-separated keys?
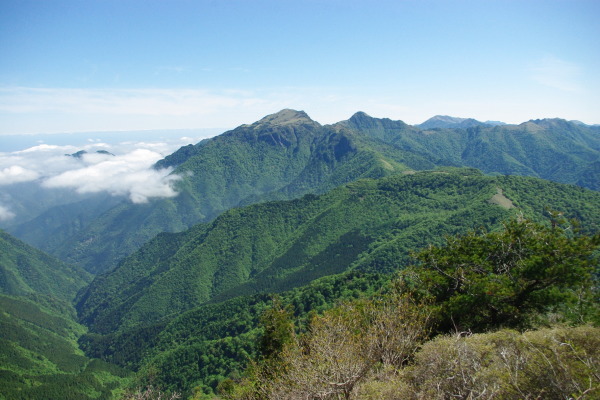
[{"x": 87, "y": 65}]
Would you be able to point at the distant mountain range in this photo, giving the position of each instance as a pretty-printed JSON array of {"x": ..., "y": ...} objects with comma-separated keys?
[
  {"x": 287, "y": 155},
  {"x": 444, "y": 121}
]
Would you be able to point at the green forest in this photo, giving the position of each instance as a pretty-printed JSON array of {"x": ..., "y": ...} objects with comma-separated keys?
[
  {"x": 507, "y": 314},
  {"x": 368, "y": 259}
]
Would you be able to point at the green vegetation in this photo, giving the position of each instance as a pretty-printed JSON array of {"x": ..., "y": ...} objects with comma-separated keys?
[
  {"x": 25, "y": 270},
  {"x": 357, "y": 260},
  {"x": 378, "y": 348},
  {"x": 286, "y": 155},
  {"x": 348, "y": 242},
  {"x": 552, "y": 149},
  {"x": 504, "y": 278},
  {"x": 50, "y": 229},
  {"x": 39, "y": 354},
  {"x": 370, "y": 225},
  {"x": 279, "y": 157},
  {"x": 200, "y": 348},
  {"x": 40, "y": 358}
]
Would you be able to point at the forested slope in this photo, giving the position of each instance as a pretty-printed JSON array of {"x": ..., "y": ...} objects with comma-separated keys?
[
  {"x": 552, "y": 149},
  {"x": 528, "y": 291},
  {"x": 25, "y": 270},
  {"x": 370, "y": 225},
  {"x": 39, "y": 354},
  {"x": 473, "y": 283}
]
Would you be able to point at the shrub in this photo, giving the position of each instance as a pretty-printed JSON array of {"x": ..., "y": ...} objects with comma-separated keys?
[
  {"x": 559, "y": 363},
  {"x": 507, "y": 278}
]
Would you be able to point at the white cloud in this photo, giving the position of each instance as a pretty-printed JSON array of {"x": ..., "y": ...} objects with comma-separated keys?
[
  {"x": 128, "y": 172},
  {"x": 556, "y": 73},
  {"x": 36, "y": 162},
  {"x": 128, "y": 175},
  {"x": 5, "y": 214},
  {"x": 16, "y": 174}
]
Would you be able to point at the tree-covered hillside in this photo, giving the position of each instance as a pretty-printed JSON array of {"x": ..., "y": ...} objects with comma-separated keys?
[
  {"x": 184, "y": 310},
  {"x": 552, "y": 149},
  {"x": 415, "y": 340},
  {"x": 369, "y": 225},
  {"x": 25, "y": 270},
  {"x": 39, "y": 354},
  {"x": 50, "y": 229},
  {"x": 40, "y": 357},
  {"x": 356, "y": 333},
  {"x": 203, "y": 346},
  {"x": 288, "y": 236}
]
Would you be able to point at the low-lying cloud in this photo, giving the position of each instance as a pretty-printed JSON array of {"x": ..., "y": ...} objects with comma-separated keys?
[
  {"x": 128, "y": 175},
  {"x": 125, "y": 169},
  {"x": 5, "y": 214},
  {"x": 16, "y": 174}
]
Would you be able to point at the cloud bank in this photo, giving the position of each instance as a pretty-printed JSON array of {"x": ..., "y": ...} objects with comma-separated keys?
[
  {"x": 126, "y": 172},
  {"x": 125, "y": 175},
  {"x": 16, "y": 174},
  {"x": 5, "y": 214}
]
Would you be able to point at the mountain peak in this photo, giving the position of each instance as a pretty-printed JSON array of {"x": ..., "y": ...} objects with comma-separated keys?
[
  {"x": 360, "y": 114},
  {"x": 286, "y": 117},
  {"x": 446, "y": 118},
  {"x": 361, "y": 118},
  {"x": 445, "y": 121},
  {"x": 552, "y": 123},
  {"x": 375, "y": 127}
]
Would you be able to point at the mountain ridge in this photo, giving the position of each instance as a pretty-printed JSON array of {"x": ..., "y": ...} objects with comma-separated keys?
[
  {"x": 286, "y": 155},
  {"x": 276, "y": 246},
  {"x": 446, "y": 121},
  {"x": 316, "y": 213},
  {"x": 25, "y": 270}
]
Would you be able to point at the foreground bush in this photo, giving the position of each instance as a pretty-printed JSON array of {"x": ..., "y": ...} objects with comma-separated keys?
[
  {"x": 510, "y": 278},
  {"x": 560, "y": 363},
  {"x": 149, "y": 393},
  {"x": 340, "y": 351},
  {"x": 493, "y": 282}
]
